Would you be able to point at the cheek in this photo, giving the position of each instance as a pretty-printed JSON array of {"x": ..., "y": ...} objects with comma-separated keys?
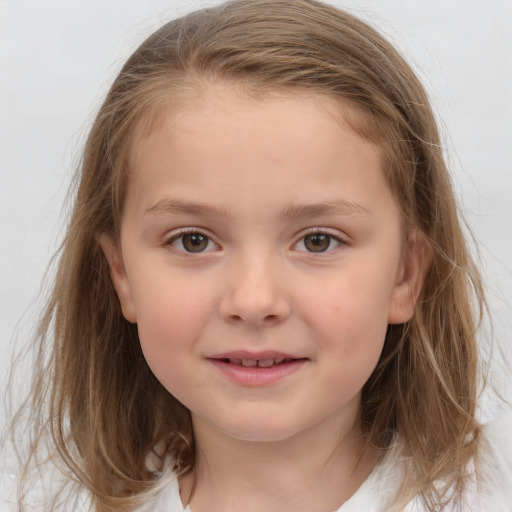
[
  {"x": 350, "y": 333},
  {"x": 349, "y": 316},
  {"x": 170, "y": 318}
]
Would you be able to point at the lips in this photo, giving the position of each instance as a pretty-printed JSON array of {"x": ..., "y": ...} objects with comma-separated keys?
[
  {"x": 263, "y": 359},
  {"x": 257, "y": 369},
  {"x": 261, "y": 363}
]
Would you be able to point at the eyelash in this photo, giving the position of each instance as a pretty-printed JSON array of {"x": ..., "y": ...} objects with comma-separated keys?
[
  {"x": 322, "y": 232},
  {"x": 311, "y": 233},
  {"x": 184, "y": 232}
]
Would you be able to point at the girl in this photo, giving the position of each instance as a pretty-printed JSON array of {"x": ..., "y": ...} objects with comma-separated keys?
[{"x": 265, "y": 300}]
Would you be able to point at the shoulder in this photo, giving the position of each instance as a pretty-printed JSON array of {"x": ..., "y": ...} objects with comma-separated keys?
[
  {"x": 488, "y": 486},
  {"x": 165, "y": 496},
  {"x": 499, "y": 430},
  {"x": 493, "y": 465}
]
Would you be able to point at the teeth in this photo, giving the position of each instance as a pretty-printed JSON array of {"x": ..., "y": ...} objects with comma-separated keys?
[
  {"x": 266, "y": 363},
  {"x": 262, "y": 363}
]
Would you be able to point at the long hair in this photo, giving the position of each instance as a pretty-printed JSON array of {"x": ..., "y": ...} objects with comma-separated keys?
[{"x": 93, "y": 395}]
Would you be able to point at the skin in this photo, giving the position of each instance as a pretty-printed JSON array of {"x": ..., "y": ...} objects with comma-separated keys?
[{"x": 267, "y": 174}]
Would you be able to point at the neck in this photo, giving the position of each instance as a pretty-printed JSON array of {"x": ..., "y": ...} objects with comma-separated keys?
[{"x": 316, "y": 470}]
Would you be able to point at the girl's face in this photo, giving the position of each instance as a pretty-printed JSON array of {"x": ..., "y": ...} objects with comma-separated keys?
[{"x": 261, "y": 257}]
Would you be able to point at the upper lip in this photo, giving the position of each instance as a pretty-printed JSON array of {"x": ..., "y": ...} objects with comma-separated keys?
[{"x": 254, "y": 356}]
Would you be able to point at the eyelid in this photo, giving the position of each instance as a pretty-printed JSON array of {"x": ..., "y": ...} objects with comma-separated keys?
[
  {"x": 332, "y": 233},
  {"x": 177, "y": 233}
]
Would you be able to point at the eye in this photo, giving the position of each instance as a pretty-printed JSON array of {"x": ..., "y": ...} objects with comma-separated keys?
[
  {"x": 318, "y": 242},
  {"x": 192, "y": 242}
]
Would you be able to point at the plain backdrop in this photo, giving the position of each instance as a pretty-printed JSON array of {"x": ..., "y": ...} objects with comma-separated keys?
[{"x": 58, "y": 58}]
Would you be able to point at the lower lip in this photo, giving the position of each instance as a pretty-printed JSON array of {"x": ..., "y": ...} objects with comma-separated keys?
[{"x": 256, "y": 376}]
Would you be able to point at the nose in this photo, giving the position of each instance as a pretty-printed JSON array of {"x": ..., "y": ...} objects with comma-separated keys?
[{"x": 254, "y": 293}]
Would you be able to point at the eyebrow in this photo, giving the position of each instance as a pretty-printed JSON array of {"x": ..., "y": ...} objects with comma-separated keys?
[
  {"x": 292, "y": 211},
  {"x": 339, "y": 207},
  {"x": 176, "y": 206}
]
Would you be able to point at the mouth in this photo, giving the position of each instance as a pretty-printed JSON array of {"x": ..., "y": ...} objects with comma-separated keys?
[
  {"x": 260, "y": 363},
  {"x": 257, "y": 369}
]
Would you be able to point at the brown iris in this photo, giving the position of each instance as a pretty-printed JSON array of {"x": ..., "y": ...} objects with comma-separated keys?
[
  {"x": 195, "y": 242},
  {"x": 317, "y": 242}
]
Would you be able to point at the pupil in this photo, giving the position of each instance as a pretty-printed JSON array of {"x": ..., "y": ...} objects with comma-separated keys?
[
  {"x": 317, "y": 243},
  {"x": 195, "y": 242}
]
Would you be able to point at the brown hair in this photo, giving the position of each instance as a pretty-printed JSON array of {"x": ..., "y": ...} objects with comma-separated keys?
[{"x": 105, "y": 411}]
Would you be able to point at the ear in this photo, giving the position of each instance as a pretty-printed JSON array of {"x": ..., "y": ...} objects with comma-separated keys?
[
  {"x": 118, "y": 275},
  {"x": 415, "y": 264}
]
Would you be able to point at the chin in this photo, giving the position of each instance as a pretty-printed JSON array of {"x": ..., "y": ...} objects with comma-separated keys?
[{"x": 270, "y": 432}]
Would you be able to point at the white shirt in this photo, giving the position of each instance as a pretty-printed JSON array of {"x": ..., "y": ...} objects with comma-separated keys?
[{"x": 489, "y": 488}]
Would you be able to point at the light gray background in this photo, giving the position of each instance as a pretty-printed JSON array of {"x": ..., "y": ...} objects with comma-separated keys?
[{"x": 57, "y": 59}]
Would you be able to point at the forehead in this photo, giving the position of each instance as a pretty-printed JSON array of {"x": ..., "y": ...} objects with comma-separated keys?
[
  {"x": 220, "y": 113},
  {"x": 223, "y": 149},
  {"x": 199, "y": 93}
]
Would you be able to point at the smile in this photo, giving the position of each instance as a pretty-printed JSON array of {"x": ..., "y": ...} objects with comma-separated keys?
[
  {"x": 255, "y": 370},
  {"x": 260, "y": 363}
]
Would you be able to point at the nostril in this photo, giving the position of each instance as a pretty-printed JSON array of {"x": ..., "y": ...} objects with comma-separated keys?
[
  {"x": 252, "y": 309},
  {"x": 265, "y": 320}
]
